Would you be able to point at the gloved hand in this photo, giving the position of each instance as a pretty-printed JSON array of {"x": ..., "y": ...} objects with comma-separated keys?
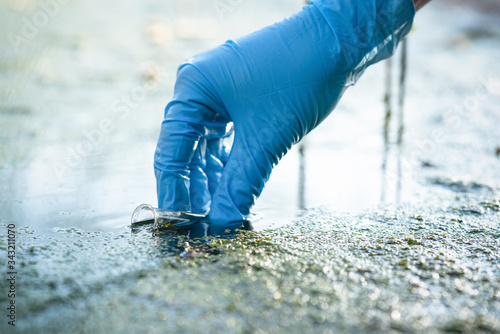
[{"x": 275, "y": 85}]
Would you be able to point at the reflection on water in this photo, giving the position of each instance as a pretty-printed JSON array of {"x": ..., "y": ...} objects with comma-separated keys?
[
  {"x": 78, "y": 136},
  {"x": 302, "y": 175},
  {"x": 401, "y": 88},
  {"x": 387, "y": 122}
]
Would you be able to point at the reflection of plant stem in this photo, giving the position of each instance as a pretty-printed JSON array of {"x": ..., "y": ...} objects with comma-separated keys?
[
  {"x": 401, "y": 126},
  {"x": 387, "y": 101},
  {"x": 388, "y": 118},
  {"x": 402, "y": 92},
  {"x": 302, "y": 175},
  {"x": 400, "y": 176},
  {"x": 387, "y": 123}
]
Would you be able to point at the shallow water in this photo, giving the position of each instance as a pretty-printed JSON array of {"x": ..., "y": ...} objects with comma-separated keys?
[{"x": 77, "y": 140}]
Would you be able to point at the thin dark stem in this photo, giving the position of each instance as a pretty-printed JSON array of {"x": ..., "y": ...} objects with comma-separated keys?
[
  {"x": 388, "y": 101},
  {"x": 387, "y": 125},
  {"x": 402, "y": 92},
  {"x": 302, "y": 176}
]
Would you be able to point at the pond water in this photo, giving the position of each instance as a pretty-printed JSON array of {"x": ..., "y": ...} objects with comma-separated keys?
[
  {"x": 83, "y": 95},
  {"x": 79, "y": 132}
]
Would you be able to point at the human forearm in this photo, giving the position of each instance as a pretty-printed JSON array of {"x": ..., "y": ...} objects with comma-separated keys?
[{"x": 420, "y": 3}]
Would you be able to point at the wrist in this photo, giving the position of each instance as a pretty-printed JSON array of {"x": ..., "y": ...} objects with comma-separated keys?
[{"x": 420, "y": 3}]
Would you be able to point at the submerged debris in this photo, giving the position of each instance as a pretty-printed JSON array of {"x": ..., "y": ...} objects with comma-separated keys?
[{"x": 461, "y": 186}]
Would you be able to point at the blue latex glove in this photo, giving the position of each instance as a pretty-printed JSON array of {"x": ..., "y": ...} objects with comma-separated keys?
[{"x": 275, "y": 85}]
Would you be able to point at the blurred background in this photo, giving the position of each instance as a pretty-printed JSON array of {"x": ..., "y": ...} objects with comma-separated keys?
[{"x": 84, "y": 84}]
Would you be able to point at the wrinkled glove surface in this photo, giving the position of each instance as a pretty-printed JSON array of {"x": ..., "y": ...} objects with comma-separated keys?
[{"x": 275, "y": 86}]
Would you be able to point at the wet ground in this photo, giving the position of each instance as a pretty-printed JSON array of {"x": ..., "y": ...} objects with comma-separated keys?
[{"x": 411, "y": 250}]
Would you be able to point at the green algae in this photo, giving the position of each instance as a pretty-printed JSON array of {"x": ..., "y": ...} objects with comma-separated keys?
[
  {"x": 326, "y": 272},
  {"x": 427, "y": 267}
]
